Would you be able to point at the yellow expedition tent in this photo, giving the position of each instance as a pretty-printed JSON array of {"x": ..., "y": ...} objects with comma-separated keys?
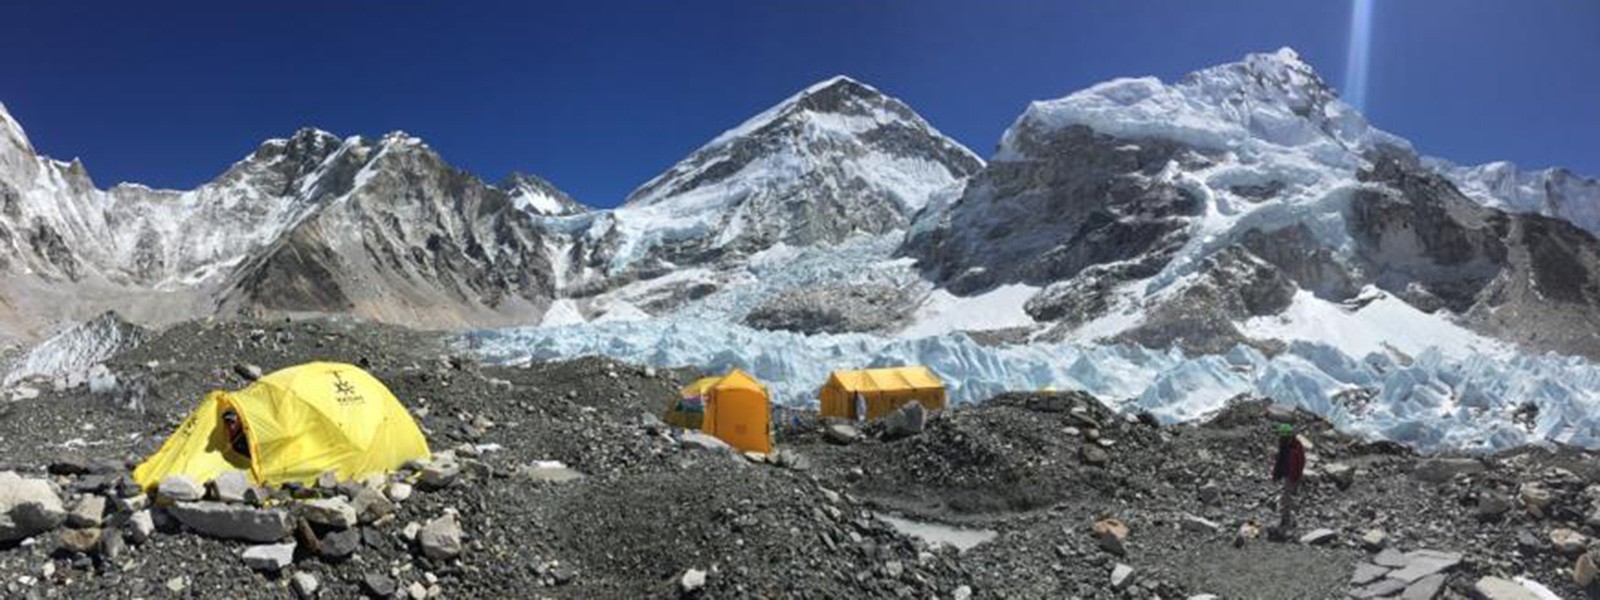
[
  {"x": 299, "y": 422},
  {"x": 881, "y": 390},
  {"x": 734, "y": 407}
]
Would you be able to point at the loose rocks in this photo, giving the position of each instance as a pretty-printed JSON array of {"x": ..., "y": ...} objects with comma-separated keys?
[{"x": 180, "y": 488}]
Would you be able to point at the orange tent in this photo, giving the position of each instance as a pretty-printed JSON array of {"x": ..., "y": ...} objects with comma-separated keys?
[
  {"x": 881, "y": 391},
  {"x": 737, "y": 410}
]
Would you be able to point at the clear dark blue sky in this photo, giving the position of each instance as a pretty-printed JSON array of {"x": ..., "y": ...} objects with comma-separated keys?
[{"x": 599, "y": 96}]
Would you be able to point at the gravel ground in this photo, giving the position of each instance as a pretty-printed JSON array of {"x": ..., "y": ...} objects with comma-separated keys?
[{"x": 1038, "y": 469}]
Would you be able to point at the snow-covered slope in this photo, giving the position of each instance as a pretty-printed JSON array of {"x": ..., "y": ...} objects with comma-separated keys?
[
  {"x": 311, "y": 223},
  {"x": 1553, "y": 192},
  {"x": 837, "y": 158},
  {"x": 1177, "y": 212}
]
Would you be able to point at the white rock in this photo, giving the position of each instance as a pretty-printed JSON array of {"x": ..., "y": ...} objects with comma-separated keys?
[
  {"x": 332, "y": 512},
  {"x": 399, "y": 491},
  {"x": 691, "y": 581},
  {"x": 232, "y": 521},
  {"x": 140, "y": 526},
  {"x": 180, "y": 488},
  {"x": 1318, "y": 536},
  {"x": 1121, "y": 575},
  {"x": 232, "y": 486},
  {"x": 1495, "y": 588},
  {"x": 305, "y": 584},
  {"x": 269, "y": 558}
]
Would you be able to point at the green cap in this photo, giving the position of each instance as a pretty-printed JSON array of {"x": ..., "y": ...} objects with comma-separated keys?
[{"x": 1283, "y": 429}]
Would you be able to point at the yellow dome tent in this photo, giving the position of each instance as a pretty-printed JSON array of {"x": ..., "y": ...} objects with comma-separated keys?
[
  {"x": 734, "y": 408},
  {"x": 299, "y": 422},
  {"x": 881, "y": 391}
]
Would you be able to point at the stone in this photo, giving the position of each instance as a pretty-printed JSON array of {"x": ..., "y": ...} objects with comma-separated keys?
[
  {"x": 305, "y": 585},
  {"x": 180, "y": 488},
  {"x": 1367, "y": 573},
  {"x": 140, "y": 526},
  {"x": 1111, "y": 533},
  {"x": 1495, "y": 588},
  {"x": 1093, "y": 456},
  {"x": 692, "y": 581},
  {"x": 1210, "y": 494},
  {"x": 839, "y": 433},
  {"x": 1248, "y": 531},
  {"x": 1391, "y": 558},
  {"x": 69, "y": 465},
  {"x": 907, "y": 420},
  {"x": 1380, "y": 588},
  {"x": 440, "y": 539},
  {"x": 1121, "y": 576},
  {"x": 398, "y": 491},
  {"x": 1342, "y": 475},
  {"x": 1584, "y": 571},
  {"x": 439, "y": 474},
  {"x": 1424, "y": 589},
  {"x": 89, "y": 511},
  {"x": 339, "y": 545},
  {"x": 329, "y": 512},
  {"x": 246, "y": 371},
  {"x": 1535, "y": 497},
  {"x": 269, "y": 558},
  {"x": 1440, "y": 470},
  {"x": 83, "y": 541},
  {"x": 1374, "y": 540},
  {"x": 694, "y": 440},
  {"x": 550, "y": 471},
  {"x": 1491, "y": 505},
  {"x": 417, "y": 591},
  {"x": 328, "y": 481},
  {"x": 1318, "y": 536},
  {"x": 1567, "y": 541},
  {"x": 28, "y": 507},
  {"x": 177, "y": 584},
  {"x": 1422, "y": 563},
  {"x": 1194, "y": 524},
  {"x": 232, "y": 521},
  {"x": 371, "y": 505},
  {"x": 232, "y": 486},
  {"x": 378, "y": 585}
]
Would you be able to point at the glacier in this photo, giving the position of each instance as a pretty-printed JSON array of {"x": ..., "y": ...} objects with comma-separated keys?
[{"x": 1470, "y": 402}]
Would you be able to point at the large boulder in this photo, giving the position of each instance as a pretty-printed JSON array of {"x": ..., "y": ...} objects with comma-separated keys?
[
  {"x": 232, "y": 521},
  {"x": 28, "y": 507},
  {"x": 1495, "y": 588}
]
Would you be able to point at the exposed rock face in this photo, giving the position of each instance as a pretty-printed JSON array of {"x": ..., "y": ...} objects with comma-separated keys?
[
  {"x": 1529, "y": 279},
  {"x": 416, "y": 241},
  {"x": 1234, "y": 285},
  {"x": 833, "y": 309},
  {"x": 1073, "y": 198},
  {"x": 535, "y": 195}
]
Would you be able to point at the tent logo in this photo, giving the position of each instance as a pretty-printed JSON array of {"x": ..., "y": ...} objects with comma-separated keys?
[{"x": 344, "y": 392}]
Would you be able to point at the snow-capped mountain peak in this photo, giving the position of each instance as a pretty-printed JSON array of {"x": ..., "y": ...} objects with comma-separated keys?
[{"x": 537, "y": 196}]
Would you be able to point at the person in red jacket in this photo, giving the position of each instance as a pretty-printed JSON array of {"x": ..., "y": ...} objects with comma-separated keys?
[{"x": 1289, "y": 465}]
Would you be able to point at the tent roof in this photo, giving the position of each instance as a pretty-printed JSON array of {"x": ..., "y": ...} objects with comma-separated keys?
[
  {"x": 740, "y": 380},
  {"x": 700, "y": 386},
  {"x": 915, "y": 377},
  {"x": 734, "y": 380}
]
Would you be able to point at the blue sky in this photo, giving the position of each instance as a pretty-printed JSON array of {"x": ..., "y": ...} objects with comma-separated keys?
[{"x": 600, "y": 96}]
